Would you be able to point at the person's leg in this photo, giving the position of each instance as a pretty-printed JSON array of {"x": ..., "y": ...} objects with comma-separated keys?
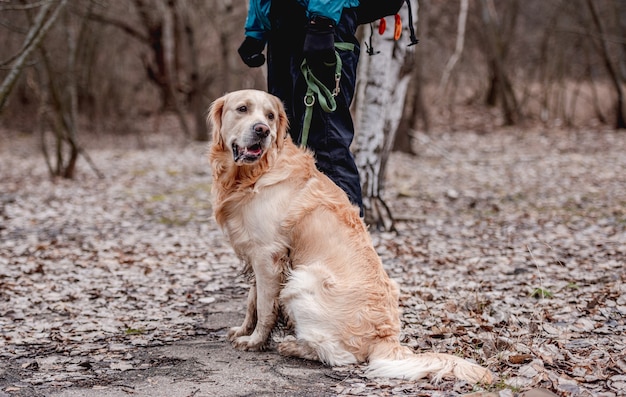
[
  {"x": 285, "y": 42},
  {"x": 331, "y": 134}
]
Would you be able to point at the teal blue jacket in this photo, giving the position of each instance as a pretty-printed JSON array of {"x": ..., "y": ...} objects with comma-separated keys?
[{"x": 258, "y": 22}]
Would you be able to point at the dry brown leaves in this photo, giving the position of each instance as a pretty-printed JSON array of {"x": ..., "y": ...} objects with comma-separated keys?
[{"x": 511, "y": 251}]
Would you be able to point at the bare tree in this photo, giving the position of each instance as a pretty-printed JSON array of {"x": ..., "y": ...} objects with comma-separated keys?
[
  {"x": 65, "y": 122},
  {"x": 59, "y": 106},
  {"x": 613, "y": 71},
  {"x": 157, "y": 32},
  {"x": 383, "y": 79},
  {"x": 416, "y": 114},
  {"x": 458, "y": 48},
  {"x": 197, "y": 85},
  {"x": 497, "y": 35},
  {"x": 46, "y": 17}
]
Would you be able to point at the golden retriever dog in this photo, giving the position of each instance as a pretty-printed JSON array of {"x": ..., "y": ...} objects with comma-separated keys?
[{"x": 309, "y": 251}]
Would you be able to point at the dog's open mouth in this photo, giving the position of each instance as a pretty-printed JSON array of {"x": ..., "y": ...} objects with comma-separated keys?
[{"x": 247, "y": 154}]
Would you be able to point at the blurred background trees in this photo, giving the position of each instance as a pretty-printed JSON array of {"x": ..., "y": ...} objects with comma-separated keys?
[{"x": 109, "y": 66}]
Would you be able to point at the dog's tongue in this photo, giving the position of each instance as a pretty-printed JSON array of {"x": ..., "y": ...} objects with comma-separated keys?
[
  {"x": 254, "y": 150},
  {"x": 247, "y": 154}
]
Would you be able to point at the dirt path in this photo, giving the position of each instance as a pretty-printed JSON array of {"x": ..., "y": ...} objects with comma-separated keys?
[{"x": 511, "y": 251}]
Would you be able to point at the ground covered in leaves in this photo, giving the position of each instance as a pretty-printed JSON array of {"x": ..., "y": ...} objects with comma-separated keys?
[{"x": 510, "y": 250}]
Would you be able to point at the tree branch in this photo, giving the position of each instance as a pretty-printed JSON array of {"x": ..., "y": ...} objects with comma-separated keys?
[
  {"x": 458, "y": 49},
  {"x": 35, "y": 35},
  {"x": 120, "y": 25},
  {"x": 23, "y": 7}
]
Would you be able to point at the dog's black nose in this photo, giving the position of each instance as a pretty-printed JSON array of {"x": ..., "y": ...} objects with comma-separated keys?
[{"x": 261, "y": 130}]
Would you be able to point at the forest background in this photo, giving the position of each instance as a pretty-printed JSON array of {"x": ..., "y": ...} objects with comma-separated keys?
[{"x": 96, "y": 67}]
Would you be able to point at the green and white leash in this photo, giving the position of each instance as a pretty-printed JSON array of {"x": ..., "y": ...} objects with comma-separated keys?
[{"x": 317, "y": 89}]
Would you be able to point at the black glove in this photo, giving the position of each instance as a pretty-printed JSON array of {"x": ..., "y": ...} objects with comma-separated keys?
[
  {"x": 251, "y": 52},
  {"x": 319, "y": 49}
]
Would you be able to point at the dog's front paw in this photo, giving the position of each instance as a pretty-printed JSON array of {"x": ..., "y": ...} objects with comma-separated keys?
[
  {"x": 248, "y": 343},
  {"x": 236, "y": 332}
]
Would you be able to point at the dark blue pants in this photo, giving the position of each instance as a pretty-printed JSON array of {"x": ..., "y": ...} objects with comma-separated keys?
[{"x": 330, "y": 134}]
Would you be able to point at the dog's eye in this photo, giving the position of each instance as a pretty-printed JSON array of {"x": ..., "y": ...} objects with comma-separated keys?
[
  {"x": 242, "y": 109},
  {"x": 270, "y": 116}
]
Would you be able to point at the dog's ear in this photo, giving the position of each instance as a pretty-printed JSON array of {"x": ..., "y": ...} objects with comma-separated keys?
[
  {"x": 214, "y": 119},
  {"x": 282, "y": 123}
]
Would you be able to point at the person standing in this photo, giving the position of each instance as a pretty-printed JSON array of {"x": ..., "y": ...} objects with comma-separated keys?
[{"x": 308, "y": 30}]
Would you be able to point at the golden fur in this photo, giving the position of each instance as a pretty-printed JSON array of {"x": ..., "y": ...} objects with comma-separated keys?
[{"x": 309, "y": 250}]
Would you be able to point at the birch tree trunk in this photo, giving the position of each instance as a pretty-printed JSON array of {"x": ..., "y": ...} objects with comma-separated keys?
[{"x": 383, "y": 81}]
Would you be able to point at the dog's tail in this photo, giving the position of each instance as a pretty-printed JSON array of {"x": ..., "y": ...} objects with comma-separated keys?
[{"x": 391, "y": 360}]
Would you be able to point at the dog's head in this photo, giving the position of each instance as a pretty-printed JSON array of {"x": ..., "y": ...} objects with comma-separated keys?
[{"x": 247, "y": 123}]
